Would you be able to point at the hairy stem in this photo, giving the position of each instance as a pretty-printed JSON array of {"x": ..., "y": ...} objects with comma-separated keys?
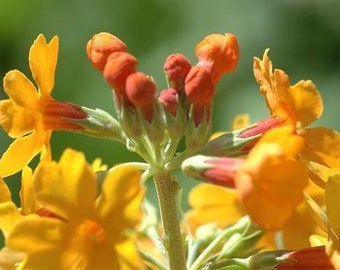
[{"x": 167, "y": 188}]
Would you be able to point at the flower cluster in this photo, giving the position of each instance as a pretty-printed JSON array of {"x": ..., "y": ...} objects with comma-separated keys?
[{"x": 271, "y": 201}]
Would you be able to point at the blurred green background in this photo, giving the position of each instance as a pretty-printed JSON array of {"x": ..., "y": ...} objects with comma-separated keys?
[{"x": 304, "y": 37}]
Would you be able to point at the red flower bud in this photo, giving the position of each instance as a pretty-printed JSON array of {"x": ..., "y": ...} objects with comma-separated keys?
[
  {"x": 101, "y": 46},
  {"x": 313, "y": 258},
  {"x": 176, "y": 68},
  {"x": 223, "y": 172},
  {"x": 218, "y": 54},
  {"x": 141, "y": 91},
  {"x": 199, "y": 87},
  {"x": 168, "y": 99},
  {"x": 118, "y": 67},
  {"x": 200, "y": 90}
]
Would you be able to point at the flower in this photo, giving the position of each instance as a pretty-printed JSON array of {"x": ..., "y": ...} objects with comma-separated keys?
[
  {"x": 31, "y": 114},
  {"x": 298, "y": 105},
  {"x": 269, "y": 183},
  {"x": 91, "y": 233}
]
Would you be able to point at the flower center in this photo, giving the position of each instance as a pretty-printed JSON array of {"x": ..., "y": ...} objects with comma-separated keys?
[{"x": 92, "y": 232}]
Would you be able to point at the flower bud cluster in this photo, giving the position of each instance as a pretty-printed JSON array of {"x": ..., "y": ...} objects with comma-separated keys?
[{"x": 183, "y": 110}]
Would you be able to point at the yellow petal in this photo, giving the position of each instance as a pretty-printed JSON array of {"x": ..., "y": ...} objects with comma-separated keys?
[
  {"x": 67, "y": 187},
  {"x": 43, "y": 60},
  {"x": 284, "y": 136},
  {"x": 212, "y": 203},
  {"x": 333, "y": 201},
  {"x": 40, "y": 239},
  {"x": 240, "y": 121},
  {"x": 28, "y": 201},
  {"x": 307, "y": 102},
  {"x": 296, "y": 233},
  {"x": 17, "y": 121},
  {"x": 20, "y": 89},
  {"x": 20, "y": 153},
  {"x": 5, "y": 193},
  {"x": 9, "y": 216},
  {"x": 125, "y": 205}
]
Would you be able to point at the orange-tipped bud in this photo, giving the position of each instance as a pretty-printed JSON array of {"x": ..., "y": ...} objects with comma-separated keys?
[
  {"x": 118, "y": 67},
  {"x": 100, "y": 46},
  {"x": 199, "y": 87},
  {"x": 141, "y": 91},
  {"x": 218, "y": 54},
  {"x": 168, "y": 99},
  {"x": 176, "y": 68}
]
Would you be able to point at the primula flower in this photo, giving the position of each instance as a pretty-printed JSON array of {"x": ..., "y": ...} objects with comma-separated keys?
[
  {"x": 269, "y": 183},
  {"x": 298, "y": 105},
  {"x": 91, "y": 233},
  {"x": 31, "y": 114}
]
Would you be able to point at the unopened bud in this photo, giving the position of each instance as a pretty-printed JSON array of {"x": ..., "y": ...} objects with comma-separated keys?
[
  {"x": 176, "y": 68},
  {"x": 118, "y": 67},
  {"x": 199, "y": 90},
  {"x": 100, "y": 46},
  {"x": 218, "y": 54},
  {"x": 169, "y": 100},
  {"x": 216, "y": 170},
  {"x": 141, "y": 91}
]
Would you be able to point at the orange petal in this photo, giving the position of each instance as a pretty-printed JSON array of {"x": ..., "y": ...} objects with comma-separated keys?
[
  {"x": 307, "y": 102},
  {"x": 20, "y": 153},
  {"x": 322, "y": 146},
  {"x": 43, "y": 61}
]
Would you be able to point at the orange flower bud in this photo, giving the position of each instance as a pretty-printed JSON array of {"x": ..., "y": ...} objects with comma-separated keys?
[
  {"x": 101, "y": 46},
  {"x": 118, "y": 67},
  {"x": 199, "y": 87},
  {"x": 176, "y": 68},
  {"x": 141, "y": 91},
  {"x": 218, "y": 54},
  {"x": 168, "y": 99}
]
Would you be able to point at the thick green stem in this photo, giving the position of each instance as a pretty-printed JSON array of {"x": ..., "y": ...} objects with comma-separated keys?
[{"x": 167, "y": 188}]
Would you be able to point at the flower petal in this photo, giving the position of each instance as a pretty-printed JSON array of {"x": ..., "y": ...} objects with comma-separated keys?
[
  {"x": 39, "y": 238},
  {"x": 125, "y": 205},
  {"x": 5, "y": 193},
  {"x": 43, "y": 61},
  {"x": 16, "y": 121},
  {"x": 211, "y": 203},
  {"x": 28, "y": 201},
  {"x": 322, "y": 146},
  {"x": 20, "y": 89},
  {"x": 307, "y": 102},
  {"x": 66, "y": 187},
  {"x": 20, "y": 153},
  {"x": 332, "y": 202},
  {"x": 9, "y": 216}
]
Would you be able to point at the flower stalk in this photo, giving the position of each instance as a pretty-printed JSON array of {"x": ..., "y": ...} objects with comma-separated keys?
[{"x": 167, "y": 189}]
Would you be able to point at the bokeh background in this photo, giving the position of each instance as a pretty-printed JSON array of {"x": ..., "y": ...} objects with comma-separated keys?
[{"x": 304, "y": 37}]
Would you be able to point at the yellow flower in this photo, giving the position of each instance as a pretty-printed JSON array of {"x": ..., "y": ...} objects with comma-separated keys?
[
  {"x": 269, "y": 187},
  {"x": 298, "y": 105},
  {"x": 31, "y": 113},
  {"x": 85, "y": 232}
]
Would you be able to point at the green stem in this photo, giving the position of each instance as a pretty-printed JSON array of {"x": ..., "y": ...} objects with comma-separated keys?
[{"x": 167, "y": 188}]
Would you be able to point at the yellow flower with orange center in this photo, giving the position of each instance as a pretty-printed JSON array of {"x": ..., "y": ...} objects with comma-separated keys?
[
  {"x": 31, "y": 113},
  {"x": 85, "y": 231}
]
